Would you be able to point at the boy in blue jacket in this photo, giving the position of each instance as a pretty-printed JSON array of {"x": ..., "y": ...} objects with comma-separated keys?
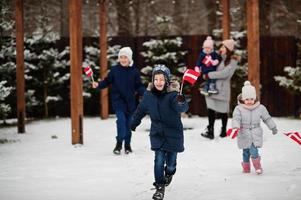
[
  {"x": 125, "y": 81},
  {"x": 164, "y": 106}
]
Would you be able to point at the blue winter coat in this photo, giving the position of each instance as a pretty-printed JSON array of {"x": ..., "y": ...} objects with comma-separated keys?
[
  {"x": 206, "y": 69},
  {"x": 125, "y": 82},
  {"x": 166, "y": 132}
]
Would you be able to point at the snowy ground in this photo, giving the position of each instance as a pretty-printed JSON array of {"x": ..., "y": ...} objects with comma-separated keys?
[{"x": 35, "y": 166}]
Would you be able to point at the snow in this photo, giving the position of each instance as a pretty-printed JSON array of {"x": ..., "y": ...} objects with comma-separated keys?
[{"x": 42, "y": 164}]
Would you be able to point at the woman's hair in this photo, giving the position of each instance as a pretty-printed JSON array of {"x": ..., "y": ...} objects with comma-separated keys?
[{"x": 229, "y": 55}]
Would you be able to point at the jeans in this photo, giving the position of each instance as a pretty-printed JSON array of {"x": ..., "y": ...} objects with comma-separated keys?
[
  {"x": 165, "y": 162},
  {"x": 250, "y": 152},
  {"x": 123, "y": 127}
]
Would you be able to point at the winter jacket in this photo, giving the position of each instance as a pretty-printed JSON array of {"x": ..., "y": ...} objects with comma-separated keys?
[
  {"x": 247, "y": 119},
  {"x": 166, "y": 132},
  {"x": 125, "y": 81},
  {"x": 204, "y": 67},
  {"x": 220, "y": 102}
]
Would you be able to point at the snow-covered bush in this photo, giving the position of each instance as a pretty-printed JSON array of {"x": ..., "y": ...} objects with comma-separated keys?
[
  {"x": 5, "y": 108},
  {"x": 293, "y": 79}
]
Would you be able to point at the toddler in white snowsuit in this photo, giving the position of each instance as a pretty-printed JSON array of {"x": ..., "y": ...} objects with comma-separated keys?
[{"x": 246, "y": 118}]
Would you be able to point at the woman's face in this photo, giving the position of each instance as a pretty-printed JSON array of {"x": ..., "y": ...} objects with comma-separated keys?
[
  {"x": 124, "y": 61},
  {"x": 223, "y": 50},
  {"x": 159, "y": 82}
]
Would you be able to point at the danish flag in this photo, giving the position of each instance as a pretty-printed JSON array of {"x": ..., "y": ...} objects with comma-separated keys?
[
  {"x": 207, "y": 60},
  {"x": 88, "y": 71},
  {"x": 191, "y": 76},
  {"x": 294, "y": 136},
  {"x": 232, "y": 132}
]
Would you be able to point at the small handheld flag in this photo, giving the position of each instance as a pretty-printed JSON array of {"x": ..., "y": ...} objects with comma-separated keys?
[
  {"x": 190, "y": 76},
  {"x": 294, "y": 136},
  {"x": 232, "y": 132},
  {"x": 207, "y": 60},
  {"x": 89, "y": 72}
]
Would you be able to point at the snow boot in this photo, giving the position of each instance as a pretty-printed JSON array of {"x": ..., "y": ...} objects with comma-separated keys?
[
  {"x": 117, "y": 148},
  {"x": 223, "y": 132},
  {"x": 212, "y": 89},
  {"x": 246, "y": 167},
  {"x": 168, "y": 177},
  {"x": 209, "y": 133},
  {"x": 127, "y": 149},
  {"x": 257, "y": 165},
  {"x": 159, "y": 194}
]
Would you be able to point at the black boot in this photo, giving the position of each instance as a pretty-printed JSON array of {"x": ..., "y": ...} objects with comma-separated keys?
[
  {"x": 127, "y": 149},
  {"x": 159, "y": 194},
  {"x": 168, "y": 177},
  {"x": 117, "y": 148},
  {"x": 209, "y": 133},
  {"x": 223, "y": 132}
]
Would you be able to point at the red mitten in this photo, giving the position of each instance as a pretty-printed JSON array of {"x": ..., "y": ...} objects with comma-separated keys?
[{"x": 232, "y": 132}]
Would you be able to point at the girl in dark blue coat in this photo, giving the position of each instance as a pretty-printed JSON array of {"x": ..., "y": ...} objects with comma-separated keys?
[
  {"x": 164, "y": 105},
  {"x": 125, "y": 81}
]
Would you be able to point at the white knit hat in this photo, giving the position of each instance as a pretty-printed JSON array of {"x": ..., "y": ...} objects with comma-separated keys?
[
  {"x": 208, "y": 42},
  {"x": 229, "y": 44},
  {"x": 126, "y": 51},
  {"x": 248, "y": 91}
]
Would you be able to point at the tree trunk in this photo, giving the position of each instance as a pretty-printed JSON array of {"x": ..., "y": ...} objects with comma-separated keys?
[{"x": 123, "y": 17}]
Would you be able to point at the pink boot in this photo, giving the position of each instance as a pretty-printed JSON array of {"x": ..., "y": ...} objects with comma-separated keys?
[
  {"x": 246, "y": 167},
  {"x": 257, "y": 165}
]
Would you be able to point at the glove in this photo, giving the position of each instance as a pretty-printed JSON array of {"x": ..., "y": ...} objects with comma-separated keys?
[
  {"x": 274, "y": 131},
  {"x": 232, "y": 132},
  {"x": 197, "y": 69},
  {"x": 180, "y": 98},
  {"x": 133, "y": 128}
]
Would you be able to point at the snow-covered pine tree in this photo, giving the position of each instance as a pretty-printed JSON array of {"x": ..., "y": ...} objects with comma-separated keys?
[{"x": 7, "y": 60}]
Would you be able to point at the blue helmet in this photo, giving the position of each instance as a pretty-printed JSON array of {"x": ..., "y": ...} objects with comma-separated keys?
[{"x": 161, "y": 69}]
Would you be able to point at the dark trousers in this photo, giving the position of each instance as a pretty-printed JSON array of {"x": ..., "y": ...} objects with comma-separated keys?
[
  {"x": 165, "y": 162},
  {"x": 123, "y": 127},
  {"x": 212, "y": 117}
]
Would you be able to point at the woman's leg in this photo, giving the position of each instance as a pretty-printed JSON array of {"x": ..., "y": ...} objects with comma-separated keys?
[
  {"x": 210, "y": 128},
  {"x": 224, "y": 117}
]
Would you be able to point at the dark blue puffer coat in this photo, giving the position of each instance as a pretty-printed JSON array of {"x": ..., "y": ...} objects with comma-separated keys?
[
  {"x": 166, "y": 132},
  {"x": 125, "y": 83}
]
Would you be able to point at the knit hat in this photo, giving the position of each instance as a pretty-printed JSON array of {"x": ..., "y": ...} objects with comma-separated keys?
[
  {"x": 126, "y": 51},
  {"x": 248, "y": 91},
  {"x": 161, "y": 69},
  {"x": 208, "y": 42},
  {"x": 229, "y": 44}
]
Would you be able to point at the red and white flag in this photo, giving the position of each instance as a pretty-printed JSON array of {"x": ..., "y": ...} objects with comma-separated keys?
[
  {"x": 207, "y": 60},
  {"x": 191, "y": 76},
  {"x": 88, "y": 71},
  {"x": 232, "y": 132},
  {"x": 294, "y": 136}
]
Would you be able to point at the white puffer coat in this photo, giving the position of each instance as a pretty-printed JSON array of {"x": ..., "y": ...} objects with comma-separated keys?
[{"x": 247, "y": 119}]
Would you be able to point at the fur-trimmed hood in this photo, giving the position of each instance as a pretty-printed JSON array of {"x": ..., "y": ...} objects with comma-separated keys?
[
  {"x": 173, "y": 87},
  {"x": 240, "y": 102}
]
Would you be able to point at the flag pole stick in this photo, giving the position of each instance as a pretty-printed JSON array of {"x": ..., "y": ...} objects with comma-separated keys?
[
  {"x": 181, "y": 87},
  {"x": 92, "y": 78}
]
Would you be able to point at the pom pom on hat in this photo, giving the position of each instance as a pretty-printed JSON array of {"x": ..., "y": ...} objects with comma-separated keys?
[
  {"x": 208, "y": 42},
  {"x": 229, "y": 44},
  {"x": 126, "y": 51},
  {"x": 248, "y": 91}
]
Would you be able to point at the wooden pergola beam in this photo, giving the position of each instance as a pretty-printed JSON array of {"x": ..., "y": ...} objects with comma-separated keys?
[
  {"x": 253, "y": 44},
  {"x": 76, "y": 100},
  {"x": 20, "y": 66},
  {"x": 226, "y": 19},
  {"x": 104, "y": 102}
]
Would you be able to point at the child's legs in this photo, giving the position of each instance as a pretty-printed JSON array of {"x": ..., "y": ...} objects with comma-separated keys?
[
  {"x": 128, "y": 133},
  {"x": 171, "y": 162},
  {"x": 254, "y": 151},
  {"x": 160, "y": 158},
  {"x": 246, "y": 155},
  {"x": 121, "y": 125}
]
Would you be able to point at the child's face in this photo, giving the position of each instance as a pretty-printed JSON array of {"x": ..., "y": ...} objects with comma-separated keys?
[
  {"x": 249, "y": 102},
  {"x": 207, "y": 50},
  {"x": 159, "y": 82},
  {"x": 124, "y": 61}
]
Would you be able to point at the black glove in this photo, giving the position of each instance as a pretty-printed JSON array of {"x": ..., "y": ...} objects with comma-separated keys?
[
  {"x": 133, "y": 128},
  {"x": 180, "y": 98}
]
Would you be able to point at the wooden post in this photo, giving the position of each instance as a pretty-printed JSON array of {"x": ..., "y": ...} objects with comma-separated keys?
[
  {"x": 226, "y": 19},
  {"x": 76, "y": 100},
  {"x": 20, "y": 67},
  {"x": 104, "y": 102},
  {"x": 253, "y": 44}
]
